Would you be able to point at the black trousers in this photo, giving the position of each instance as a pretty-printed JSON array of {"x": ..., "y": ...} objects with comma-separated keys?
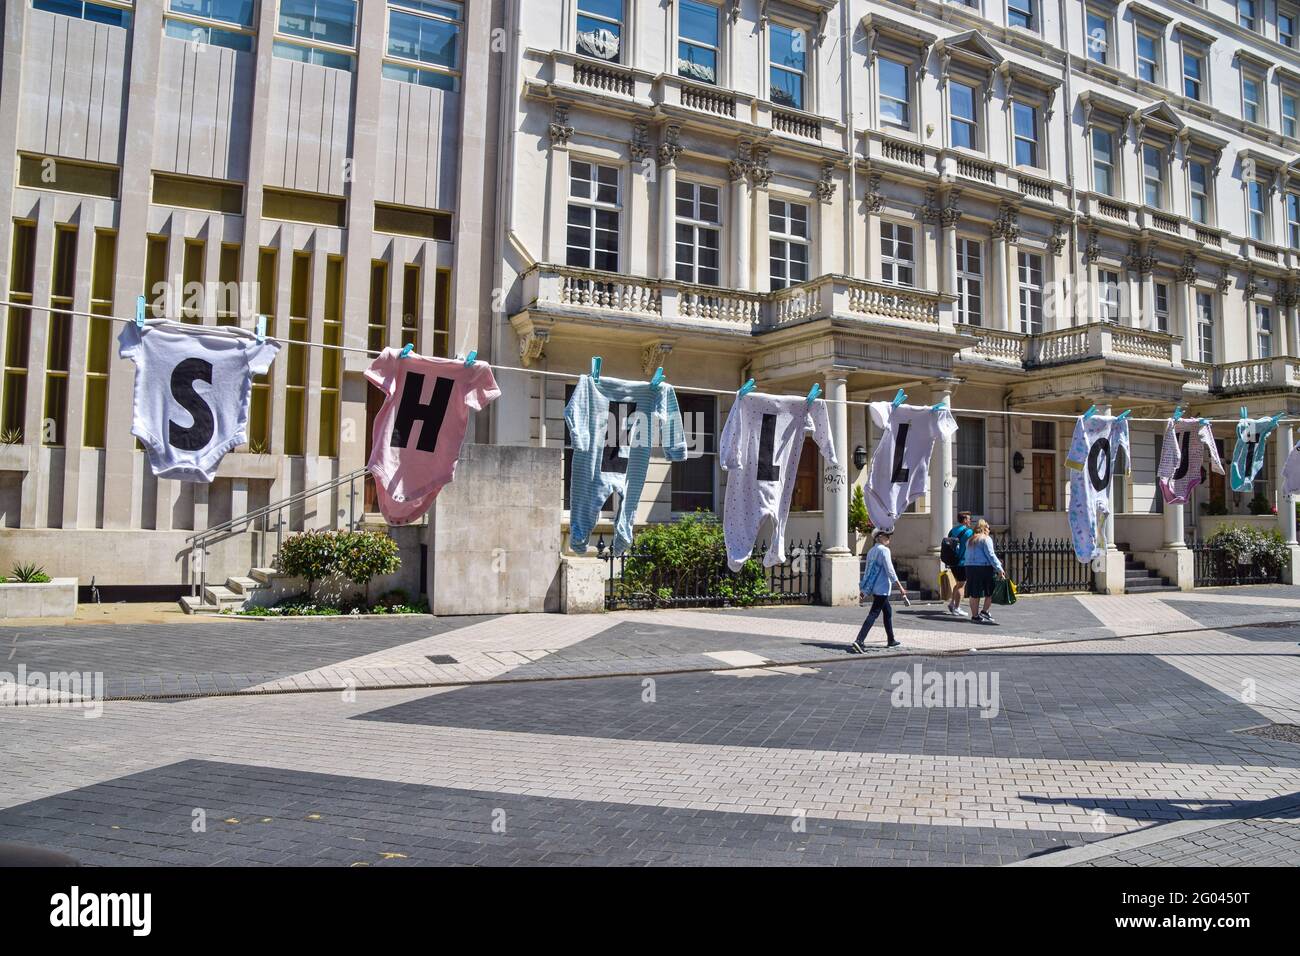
[{"x": 879, "y": 604}]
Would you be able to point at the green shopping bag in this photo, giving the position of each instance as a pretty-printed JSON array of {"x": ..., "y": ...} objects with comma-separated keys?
[{"x": 1004, "y": 592}]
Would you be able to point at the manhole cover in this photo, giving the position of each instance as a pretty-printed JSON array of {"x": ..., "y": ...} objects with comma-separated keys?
[
  {"x": 443, "y": 659},
  {"x": 1288, "y": 732}
]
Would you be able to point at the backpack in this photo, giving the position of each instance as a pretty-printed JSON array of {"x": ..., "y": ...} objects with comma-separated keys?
[{"x": 948, "y": 552}]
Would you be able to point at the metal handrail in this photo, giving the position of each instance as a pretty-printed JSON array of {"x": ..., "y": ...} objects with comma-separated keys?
[{"x": 201, "y": 540}]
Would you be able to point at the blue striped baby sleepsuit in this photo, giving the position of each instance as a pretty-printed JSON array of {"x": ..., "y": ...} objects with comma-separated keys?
[{"x": 611, "y": 452}]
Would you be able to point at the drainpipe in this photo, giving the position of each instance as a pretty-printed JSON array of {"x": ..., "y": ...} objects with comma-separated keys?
[{"x": 1069, "y": 162}]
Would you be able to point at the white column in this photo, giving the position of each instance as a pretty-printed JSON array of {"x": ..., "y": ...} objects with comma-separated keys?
[
  {"x": 1285, "y": 503},
  {"x": 1148, "y": 299},
  {"x": 1187, "y": 320},
  {"x": 557, "y": 207},
  {"x": 740, "y": 244},
  {"x": 835, "y": 508},
  {"x": 941, "y": 484},
  {"x": 1174, "y": 532},
  {"x": 998, "y": 261},
  {"x": 668, "y": 154},
  {"x": 950, "y": 257}
]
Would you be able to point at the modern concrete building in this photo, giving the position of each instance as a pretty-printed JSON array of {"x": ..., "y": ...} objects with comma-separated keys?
[
  {"x": 326, "y": 163},
  {"x": 1025, "y": 206}
]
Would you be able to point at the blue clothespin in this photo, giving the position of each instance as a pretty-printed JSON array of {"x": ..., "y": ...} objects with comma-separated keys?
[
  {"x": 1205, "y": 421},
  {"x": 1245, "y": 413},
  {"x": 1277, "y": 418},
  {"x": 745, "y": 389},
  {"x": 261, "y": 329},
  {"x": 139, "y": 312},
  {"x": 658, "y": 377},
  {"x": 1178, "y": 412},
  {"x": 900, "y": 398},
  {"x": 471, "y": 358},
  {"x": 942, "y": 405},
  {"x": 595, "y": 367},
  {"x": 1092, "y": 410},
  {"x": 406, "y": 350},
  {"x": 814, "y": 392},
  {"x": 1125, "y": 414}
]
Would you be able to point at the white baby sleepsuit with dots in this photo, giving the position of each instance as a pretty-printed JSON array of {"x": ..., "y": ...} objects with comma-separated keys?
[
  {"x": 900, "y": 465},
  {"x": 1094, "y": 450}
]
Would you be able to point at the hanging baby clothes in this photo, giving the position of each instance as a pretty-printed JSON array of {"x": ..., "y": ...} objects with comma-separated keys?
[
  {"x": 192, "y": 390},
  {"x": 612, "y": 425},
  {"x": 1248, "y": 455},
  {"x": 1094, "y": 451},
  {"x": 1291, "y": 472},
  {"x": 760, "y": 449},
  {"x": 420, "y": 427},
  {"x": 900, "y": 465},
  {"x": 1181, "y": 454}
]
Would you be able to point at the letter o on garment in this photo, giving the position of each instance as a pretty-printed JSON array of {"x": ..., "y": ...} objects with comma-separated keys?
[{"x": 1099, "y": 453}]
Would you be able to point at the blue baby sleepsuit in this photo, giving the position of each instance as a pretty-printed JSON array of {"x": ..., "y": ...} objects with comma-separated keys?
[
  {"x": 1248, "y": 456},
  {"x": 611, "y": 452}
]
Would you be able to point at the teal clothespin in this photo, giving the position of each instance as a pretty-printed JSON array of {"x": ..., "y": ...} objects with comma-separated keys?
[
  {"x": 1178, "y": 412},
  {"x": 940, "y": 406},
  {"x": 595, "y": 368},
  {"x": 1277, "y": 418},
  {"x": 471, "y": 358},
  {"x": 406, "y": 350},
  {"x": 1245, "y": 412},
  {"x": 658, "y": 378},
  {"x": 900, "y": 398},
  {"x": 814, "y": 392},
  {"x": 745, "y": 389},
  {"x": 1092, "y": 410},
  {"x": 1125, "y": 414},
  {"x": 139, "y": 312},
  {"x": 261, "y": 329}
]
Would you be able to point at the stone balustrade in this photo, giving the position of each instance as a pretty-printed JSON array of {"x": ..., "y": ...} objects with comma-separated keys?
[{"x": 1257, "y": 375}]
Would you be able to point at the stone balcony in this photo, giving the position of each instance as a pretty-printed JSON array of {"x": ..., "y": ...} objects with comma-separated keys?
[
  {"x": 1259, "y": 375},
  {"x": 1080, "y": 343},
  {"x": 561, "y": 294}
]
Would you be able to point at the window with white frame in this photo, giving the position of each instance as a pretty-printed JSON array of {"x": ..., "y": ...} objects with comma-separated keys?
[
  {"x": 972, "y": 465},
  {"x": 1020, "y": 13},
  {"x": 1248, "y": 14},
  {"x": 1025, "y": 123},
  {"x": 1097, "y": 41},
  {"x": 1289, "y": 110},
  {"x": 1252, "y": 98},
  {"x": 1108, "y": 300},
  {"x": 595, "y": 212},
  {"x": 895, "y": 82},
  {"x": 424, "y": 38},
  {"x": 787, "y": 226},
  {"x": 1193, "y": 73},
  {"x": 970, "y": 281},
  {"x": 963, "y": 103},
  {"x": 897, "y": 254},
  {"x": 1030, "y": 274},
  {"x": 1198, "y": 181},
  {"x": 788, "y": 64},
  {"x": 1205, "y": 326},
  {"x": 111, "y": 13},
  {"x": 1148, "y": 56},
  {"x": 699, "y": 233},
  {"x": 322, "y": 32},
  {"x": 1256, "y": 210},
  {"x": 699, "y": 40},
  {"x": 1153, "y": 176},
  {"x": 1263, "y": 331},
  {"x": 213, "y": 22},
  {"x": 1162, "y": 306},
  {"x": 600, "y": 29},
  {"x": 1286, "y": 27},
  {"x": 1103, "y": 161},
  {"x": 1293, "y": 220}
]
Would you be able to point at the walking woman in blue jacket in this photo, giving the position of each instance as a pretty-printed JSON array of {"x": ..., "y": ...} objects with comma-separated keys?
[
  {"x": 878, "y": 581},
  {"x": 983, "y": 569}
]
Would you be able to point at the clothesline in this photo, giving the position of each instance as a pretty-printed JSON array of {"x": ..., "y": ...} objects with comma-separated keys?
[{"x": 575, "y": 376}]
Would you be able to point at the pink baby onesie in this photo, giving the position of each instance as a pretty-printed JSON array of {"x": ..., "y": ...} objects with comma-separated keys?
[{"x": 419, "y": 430}]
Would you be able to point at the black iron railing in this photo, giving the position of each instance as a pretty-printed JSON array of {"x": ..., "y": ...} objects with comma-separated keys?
[
  {"x": 637, "y": 582},
  {"x": 1217, "y": 567},
  {"x": 1043, "y": 565}
]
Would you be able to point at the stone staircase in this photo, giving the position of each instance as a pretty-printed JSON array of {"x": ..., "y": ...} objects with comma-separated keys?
[
  {"x": 1138, "y": 578},
  {"x": 917, "y": 590},
  {"x": 235, "y": 594}
]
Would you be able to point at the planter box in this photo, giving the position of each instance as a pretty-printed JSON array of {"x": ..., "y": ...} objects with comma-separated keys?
[
  {"x": 243, "y": 464},
  {"x": 56, "y": 599},
  {"x": 14, "y": 458}
]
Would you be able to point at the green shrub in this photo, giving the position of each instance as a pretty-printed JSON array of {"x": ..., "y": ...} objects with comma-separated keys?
[
  {"x": 29, "y": 574},
  {"x": 859, "y": 519},
  {"x": 1260, "y": 505},
  {"x": 1262, "y": 547},
  {"x": 311, "y": 555},
  {"x": 689, "y": 556},
  {"x": 364, "y": 555}
]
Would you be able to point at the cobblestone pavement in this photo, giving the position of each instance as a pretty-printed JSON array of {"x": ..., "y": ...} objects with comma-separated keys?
[{"x": 1086, "y": 731}]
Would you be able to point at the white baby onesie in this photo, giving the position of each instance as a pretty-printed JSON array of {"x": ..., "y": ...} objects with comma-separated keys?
[
  {"x": 1181, "y": 454},
  {"x": 760, "y": 449},
  {"x": 1094, "y": 450},
  {"x": 192, "y": 389},
  {"x": 1291, "y": 472},
  {"x": 900, "y": 464}
]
